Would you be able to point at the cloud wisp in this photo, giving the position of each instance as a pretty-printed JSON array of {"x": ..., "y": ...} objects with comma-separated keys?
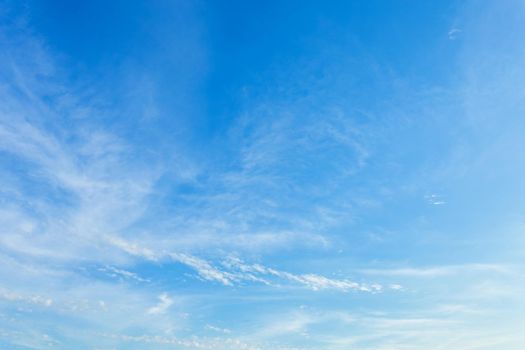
[{"x": 235, "y": 271}]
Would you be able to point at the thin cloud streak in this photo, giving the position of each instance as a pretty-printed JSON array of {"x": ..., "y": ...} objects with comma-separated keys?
[{"x": 237, "y": 271}]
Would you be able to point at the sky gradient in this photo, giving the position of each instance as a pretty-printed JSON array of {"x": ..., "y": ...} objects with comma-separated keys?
[{"x": 262, "y": 175}]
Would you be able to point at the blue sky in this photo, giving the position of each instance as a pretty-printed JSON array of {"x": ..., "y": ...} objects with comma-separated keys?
[{"x": 278, "y": 175}]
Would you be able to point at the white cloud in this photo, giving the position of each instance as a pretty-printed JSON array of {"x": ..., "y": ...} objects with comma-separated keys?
[
  {"x": 29, "y": 299},
  {"x": 203, "y": 268},
  {"x": 191, "y": 343},
  {"x": 120, "y": 273},
  {"x": 435, "y": 199},
  {"x": 237, "y": 271},
  {"x": 312, "y": 281},
  {"x": 218, "y": 329},
  {"x": 453, "y": 33},
  {"x": 164, "y": 304},
  {"x": 437, "y": 271},
  {"x": 132, "y": 248}
]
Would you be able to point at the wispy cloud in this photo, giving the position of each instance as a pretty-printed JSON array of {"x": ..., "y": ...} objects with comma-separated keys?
[
  {"x": 30, "y": 299},
  {"x": 435, "y": 199},
  {"x": 218, "y": 329},
  {"x": 193, "y": 343},
  {"x": 442, "y": 270},
  {"x": 453, "y": 33},
  {"x": 122, "y": 274},
  {"x": 126, "y": 211},
  {"x": 311, "y": 281},
  {"x": 235, "y": 270},
  {"x": 203, "y": 268},
  {"x": 164, "y": 303}
]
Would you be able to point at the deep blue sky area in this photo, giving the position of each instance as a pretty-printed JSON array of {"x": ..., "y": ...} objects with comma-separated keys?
[{"x": 262, "y": 175}]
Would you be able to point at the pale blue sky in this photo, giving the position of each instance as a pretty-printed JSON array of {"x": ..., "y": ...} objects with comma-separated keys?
[{"x": 272, "y": 175}]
